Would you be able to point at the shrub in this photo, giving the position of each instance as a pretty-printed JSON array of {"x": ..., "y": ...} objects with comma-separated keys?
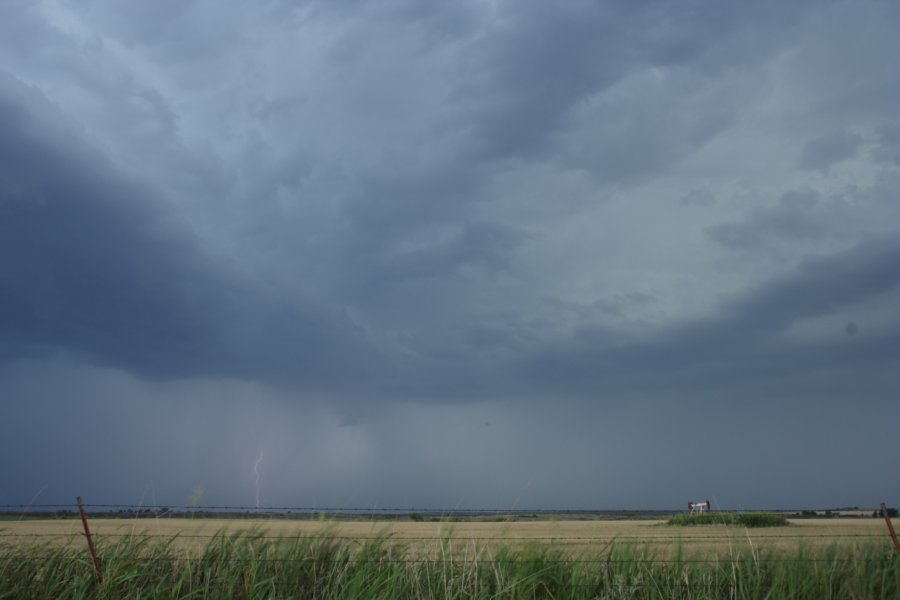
[
  {"x": 761, "y": 519},
  {"x": 750, "y": 519}
]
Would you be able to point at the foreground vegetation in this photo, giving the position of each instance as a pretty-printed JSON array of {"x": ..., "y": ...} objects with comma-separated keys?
[
  {"x": 748, "y": 519},
  {"x": 251, "y": 566}
]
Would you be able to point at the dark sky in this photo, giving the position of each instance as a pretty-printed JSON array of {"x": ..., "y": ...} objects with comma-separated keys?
[{"x": 483, "y": 253}]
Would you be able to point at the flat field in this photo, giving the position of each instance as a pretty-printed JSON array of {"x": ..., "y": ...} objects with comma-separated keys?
[
  {"x": 175, "y": 558},
  {"x": 429, "y": 539}
]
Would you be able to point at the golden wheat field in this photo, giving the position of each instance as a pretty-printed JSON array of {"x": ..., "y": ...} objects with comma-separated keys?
[{"x": 468, "y": 538}]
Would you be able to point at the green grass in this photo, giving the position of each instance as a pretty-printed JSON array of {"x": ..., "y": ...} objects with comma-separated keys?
[
  {"x": 749, "y": 519},
  {"x": 762, "y": 519},
  {"x": 250, "y": 566}
]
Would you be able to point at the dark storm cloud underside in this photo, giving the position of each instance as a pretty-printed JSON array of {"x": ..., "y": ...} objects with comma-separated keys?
[
  {"x": 523, "y": 73},
  {"x": 95, "y": 262},
  {"x": 741, "y": 348}
]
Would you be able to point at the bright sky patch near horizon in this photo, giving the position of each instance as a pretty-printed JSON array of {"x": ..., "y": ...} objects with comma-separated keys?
[{"x": 465, "y": 254}]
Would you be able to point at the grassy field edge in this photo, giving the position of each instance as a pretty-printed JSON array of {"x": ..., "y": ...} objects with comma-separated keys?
[{"x": 248, "y": 565}]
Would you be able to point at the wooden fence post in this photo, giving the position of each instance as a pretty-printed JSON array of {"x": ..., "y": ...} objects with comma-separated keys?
[
  {"x": 90, "y": 541},
  {"x": 887, "y": 519}
]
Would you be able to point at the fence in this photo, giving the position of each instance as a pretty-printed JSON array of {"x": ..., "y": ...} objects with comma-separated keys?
[{"x": 139, "y": 511}]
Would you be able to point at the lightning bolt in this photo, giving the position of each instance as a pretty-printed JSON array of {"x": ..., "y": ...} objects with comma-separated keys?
[{"x": 256, "y": 473}]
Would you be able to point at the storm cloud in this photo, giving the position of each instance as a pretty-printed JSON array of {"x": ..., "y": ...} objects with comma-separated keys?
[
  {"x": 97, "y": 262},
  {"x": 427, "y": 253}
]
